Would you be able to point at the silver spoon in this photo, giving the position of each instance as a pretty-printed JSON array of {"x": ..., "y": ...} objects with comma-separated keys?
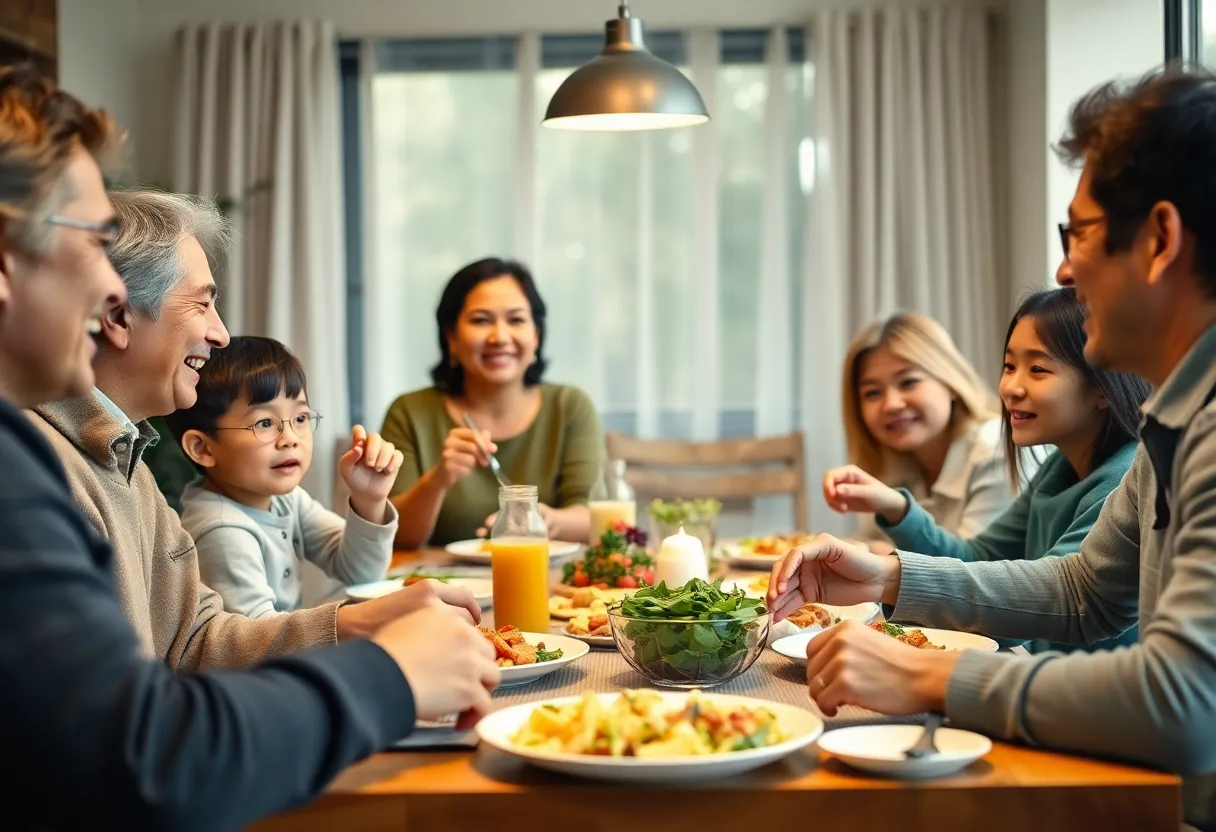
[
  {"x": 924, "y": 746},
  {"x": 494, "y": 466}
]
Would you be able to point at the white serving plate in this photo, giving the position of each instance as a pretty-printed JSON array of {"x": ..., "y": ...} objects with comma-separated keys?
[
  {"x": 482, "y": 589},
  {"x": 572, "y": 650},
  {"x": 802, "y": 726},
  {"x": 598, "y": 642},
  {"x": 794, "y": 647},
  {"x": 879, "y": 749},
  {"x": 742, "y": 556},
  {"x": 470, "y": 551}
]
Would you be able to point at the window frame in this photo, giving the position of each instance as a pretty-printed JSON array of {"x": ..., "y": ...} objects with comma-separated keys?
[{"x": 493, "y": 53}]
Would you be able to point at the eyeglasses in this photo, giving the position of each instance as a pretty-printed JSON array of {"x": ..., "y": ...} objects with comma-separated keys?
[
  {"x": 269, "y": 429},
  {"x": 109, "y": 229},
  {"x": 1068, "y": 229}
]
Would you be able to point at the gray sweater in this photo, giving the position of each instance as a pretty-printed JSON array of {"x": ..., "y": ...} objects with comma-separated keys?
[
  {"x": 1153, "y": 548},
  {"x": 255, "y": 559}
]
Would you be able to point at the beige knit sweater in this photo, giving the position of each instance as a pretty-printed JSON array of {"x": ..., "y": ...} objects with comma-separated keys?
[{"x": 177, "y": 617}]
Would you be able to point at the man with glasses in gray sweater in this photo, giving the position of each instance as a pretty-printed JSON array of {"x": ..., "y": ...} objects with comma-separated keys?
[{"x": 1140, "y": 248}]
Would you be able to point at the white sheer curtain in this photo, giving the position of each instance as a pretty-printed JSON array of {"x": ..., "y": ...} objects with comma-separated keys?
[
  {"x": 257, "y": 122},
  {"x": 901, "y": 215},
  {"x": 701, "y": 282}
]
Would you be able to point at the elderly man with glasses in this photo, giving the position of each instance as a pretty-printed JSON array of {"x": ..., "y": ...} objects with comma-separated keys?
[{"x": 149, "y": 348}]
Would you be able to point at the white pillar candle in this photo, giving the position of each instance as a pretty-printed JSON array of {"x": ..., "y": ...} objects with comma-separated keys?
[{"x": 681, "y": 558}]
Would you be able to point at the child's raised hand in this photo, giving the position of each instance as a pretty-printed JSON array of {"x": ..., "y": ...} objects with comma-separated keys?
[{"x": 369, "y": 470}]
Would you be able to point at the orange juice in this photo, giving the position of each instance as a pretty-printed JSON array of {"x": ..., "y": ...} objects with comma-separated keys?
[
  {"x": 605, "y": 514},
  {"x": 520, "y": 567}
]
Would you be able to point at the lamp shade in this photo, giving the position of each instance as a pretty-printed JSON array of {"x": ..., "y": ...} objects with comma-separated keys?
[{"x": 625, "y": 88}]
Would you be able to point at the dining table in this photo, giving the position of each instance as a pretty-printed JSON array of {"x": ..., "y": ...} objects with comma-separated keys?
[{"x": 481, "y": 789}]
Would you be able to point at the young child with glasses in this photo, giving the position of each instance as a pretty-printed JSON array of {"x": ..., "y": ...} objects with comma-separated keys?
[{"x": 251, "y": 435}]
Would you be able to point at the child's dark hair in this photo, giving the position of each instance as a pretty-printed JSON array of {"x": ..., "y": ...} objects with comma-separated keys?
[
  {"x": 1059, "y": 323},
  {"x": 252, "y": 368}
]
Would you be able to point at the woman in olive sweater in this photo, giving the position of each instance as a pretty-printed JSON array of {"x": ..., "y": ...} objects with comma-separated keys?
[
  {"x": 1050, "y": 396},
  {"x": 491, "y": 335}
]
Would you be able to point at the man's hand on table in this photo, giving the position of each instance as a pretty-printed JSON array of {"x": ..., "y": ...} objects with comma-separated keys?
[
  {"x": 449, "y": 665},
  {"x": 831, "y": 571},
  {"x": 850, "y": 663},
  {"x": 364, "y": 619},
  {"x": 853, "y": 664}
]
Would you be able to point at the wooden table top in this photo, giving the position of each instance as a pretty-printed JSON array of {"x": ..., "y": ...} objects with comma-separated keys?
[{"x": 1013, "y": 787}]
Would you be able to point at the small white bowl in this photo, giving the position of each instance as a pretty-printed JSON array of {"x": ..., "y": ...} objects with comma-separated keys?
[{"x": 879, "y": 749}]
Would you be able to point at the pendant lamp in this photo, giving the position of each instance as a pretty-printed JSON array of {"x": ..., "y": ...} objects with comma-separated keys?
[{"x": 625, "y": 88}]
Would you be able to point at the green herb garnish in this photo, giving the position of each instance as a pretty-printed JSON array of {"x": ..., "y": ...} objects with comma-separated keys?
[
  {"x": 714, "y": 639},
  {"x": 893, "y": 630},
  {"x": 548, "y": 655}
]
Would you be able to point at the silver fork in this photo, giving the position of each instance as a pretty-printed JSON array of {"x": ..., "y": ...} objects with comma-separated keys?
[
  {"x": 924, "y": 746},
  {"x": 494, "y": 466}
]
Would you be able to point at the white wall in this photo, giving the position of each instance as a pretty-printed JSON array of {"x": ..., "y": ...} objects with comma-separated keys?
[
  {"x": 1059, "y": 50},
  {"x": 1089, "y": 42},
  {"x": 96, "y": 41}
]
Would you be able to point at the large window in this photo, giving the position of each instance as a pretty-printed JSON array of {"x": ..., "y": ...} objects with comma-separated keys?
[{"x": 614, "y": 226}]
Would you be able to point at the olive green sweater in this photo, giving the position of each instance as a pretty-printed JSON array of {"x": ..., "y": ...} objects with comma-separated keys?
[{"x": 560, "y": 453}]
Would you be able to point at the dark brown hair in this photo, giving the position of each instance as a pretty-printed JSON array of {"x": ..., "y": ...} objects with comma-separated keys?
[
  {"x": 1149, "y": 141},
  {"x": 1059, "y": 324},
  {"x": 449, "y": 377}
]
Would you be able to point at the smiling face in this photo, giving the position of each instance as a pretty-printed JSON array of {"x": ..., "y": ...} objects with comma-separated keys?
[
  {"x": 1047, "y": 401},
  {"x": 244, "y": 466},
  {"x": 163, "y": 355},
  {"x": 495, "y": 338},
  {"x": 903, "y": 407},
  {"x": 51, "y": 303},
  {"x": 1125, "y": 307}
]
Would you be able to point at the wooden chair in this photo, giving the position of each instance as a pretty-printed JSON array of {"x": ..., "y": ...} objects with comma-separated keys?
[{"x": 732, "y": 470}]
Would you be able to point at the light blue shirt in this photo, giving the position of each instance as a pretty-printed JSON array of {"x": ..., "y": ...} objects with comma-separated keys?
[
  {"x": 255, "y": 559},
  {"x": 116, "y": 411}
]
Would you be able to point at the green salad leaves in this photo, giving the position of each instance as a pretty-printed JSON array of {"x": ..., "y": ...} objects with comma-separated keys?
[{"x": 695, "y": 631}]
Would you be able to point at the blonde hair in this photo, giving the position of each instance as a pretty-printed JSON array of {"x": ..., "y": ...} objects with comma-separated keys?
[{"x": 919, "y": 340}]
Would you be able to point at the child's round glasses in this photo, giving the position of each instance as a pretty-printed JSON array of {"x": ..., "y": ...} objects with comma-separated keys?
[{"x": 269, "y": 429}]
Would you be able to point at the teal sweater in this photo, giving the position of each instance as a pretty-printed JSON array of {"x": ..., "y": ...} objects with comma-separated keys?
[{"x": 1049, "y": 518}]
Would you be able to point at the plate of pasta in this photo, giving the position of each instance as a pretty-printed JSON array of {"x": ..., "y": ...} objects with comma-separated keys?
[{"x": 651, "y": 736}]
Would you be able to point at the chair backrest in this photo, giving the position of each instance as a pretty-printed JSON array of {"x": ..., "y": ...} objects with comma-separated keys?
[{"x": 746, "y": 469}]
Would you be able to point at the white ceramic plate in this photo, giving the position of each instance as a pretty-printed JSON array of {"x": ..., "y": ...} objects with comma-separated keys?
[
  {"x": 794, "y": 647},
  {"x": 471, "y": 551},
  {"x": 801, "y": 725},
  {"x": 572, "y": 650},
  {"x": 482, "y": 589},
  {"x": 741, "y": 555},
  {"x": 879, "y": 749},
  {"x": 598, "y": 642}
]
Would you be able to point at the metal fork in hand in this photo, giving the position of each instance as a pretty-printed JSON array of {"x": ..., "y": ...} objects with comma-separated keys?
[
  {"x": 924, "y": 746},
  {"x": 494, "y": 466}
]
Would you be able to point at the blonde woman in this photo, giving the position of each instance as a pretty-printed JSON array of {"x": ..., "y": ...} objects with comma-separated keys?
[{"x": 918, "y": 416}]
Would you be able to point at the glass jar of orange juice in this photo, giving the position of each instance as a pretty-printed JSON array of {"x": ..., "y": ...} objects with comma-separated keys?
[{"x": 519, "y": 561}]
